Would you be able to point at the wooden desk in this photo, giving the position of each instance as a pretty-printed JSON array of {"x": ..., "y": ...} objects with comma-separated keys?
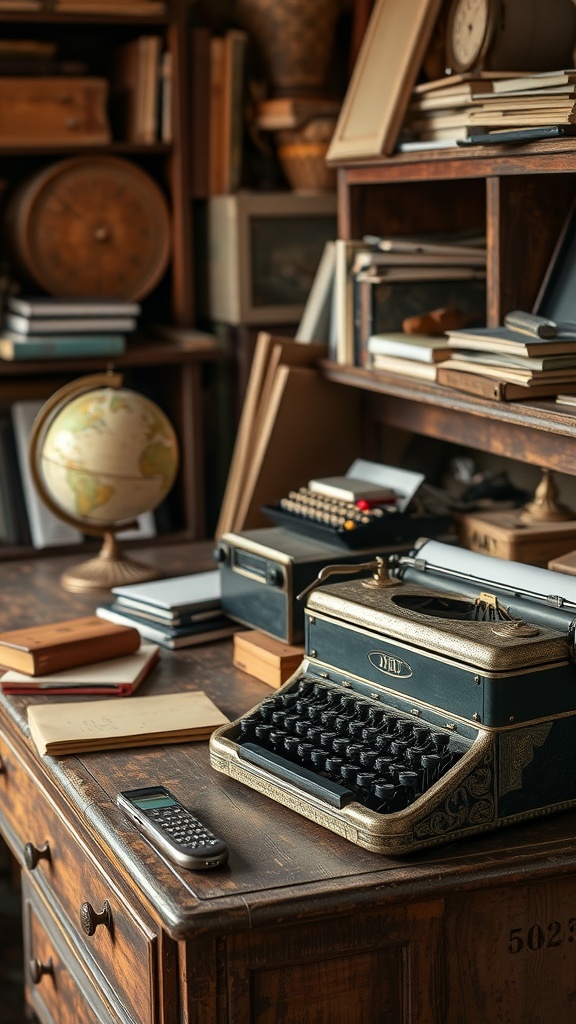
[{"x": 301, "y": 927}]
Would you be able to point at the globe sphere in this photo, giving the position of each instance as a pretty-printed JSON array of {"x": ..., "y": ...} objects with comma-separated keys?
[{"x": 107, "y": 456}]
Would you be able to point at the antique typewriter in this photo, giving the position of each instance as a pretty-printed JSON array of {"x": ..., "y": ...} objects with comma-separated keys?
[{"x": 436, "y": 699}]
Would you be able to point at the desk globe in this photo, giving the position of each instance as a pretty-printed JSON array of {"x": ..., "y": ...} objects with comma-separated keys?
[{"x": 100, "y": 456}]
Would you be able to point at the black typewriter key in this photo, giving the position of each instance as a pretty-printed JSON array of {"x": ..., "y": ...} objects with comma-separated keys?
[
  {"x": 318, "y": 759},
  {"x": 314, "y": 711},
  {"x": 397, "y": 747},
  {"x": 409, "y": 780},
  {"x": 370, "y": 734},
  {"x": 314, "y": 734},
  {"x": 440, "y": 741},
  {"x": 262, "y": 731},
  {"x": 362, "y": 709},
  {"x": 353, "y": 752},
  {"x": 349, "y": 773},
  {"x": 355, "y": 730},
  {"x": 306, "y": 686},
  {"x": 301, "y": 728},
  {"x": 278, "y": 716},
  {"x": 365, "y": 780},
  {"x": 276, "y": 738},
  {"x": 414, "y": 757},
  {"x": 430, "y": 764},
  {"x": 368, "y": 758},
  {"x": 328, "y": 718},
  {"x": 383, "y": 791},
  {"x": 405, "y": 727},
  {"x": 333, "y": 766},
  {"x": 291, "y": 744},
  {"x": 340, "y": 745},
  {"x": 422, "y": 735},
  {"x": 290, "y": 722},
  {"x": 327, "y": 739},
  {"x": 341, "y": 725},
  {"x": 390, "y": 725},
  {"x": 304, "y": 751},
  {"x": 247, "y": 727},
  {"x": 382, "y": 764}
]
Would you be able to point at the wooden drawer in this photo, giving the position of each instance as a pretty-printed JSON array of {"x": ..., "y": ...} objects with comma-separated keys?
[
  {"x": 57, "y": 987},
  {"x": 123, "y": 948}
]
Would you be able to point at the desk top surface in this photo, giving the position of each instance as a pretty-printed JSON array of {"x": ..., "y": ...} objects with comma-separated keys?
[{"x": 280, "y": 864}]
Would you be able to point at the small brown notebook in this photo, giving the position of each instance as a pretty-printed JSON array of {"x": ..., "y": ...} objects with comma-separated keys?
[
  {"x": 53, "y": 647},
  {"x": 72, "y": 728}
]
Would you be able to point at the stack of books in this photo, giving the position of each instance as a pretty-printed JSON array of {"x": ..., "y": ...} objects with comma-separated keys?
[
  {"x": 412, "y": 355},
  {"x": 457, "y": 107},
  {"x": 85, "y": 656},
  {"x": 176, "y": 612},
  {"x": 55, "y": 328},
  {"x": 503, "y": 363}
]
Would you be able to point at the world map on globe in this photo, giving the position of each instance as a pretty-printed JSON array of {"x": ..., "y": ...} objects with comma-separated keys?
[{"x": 107, "y": 456}]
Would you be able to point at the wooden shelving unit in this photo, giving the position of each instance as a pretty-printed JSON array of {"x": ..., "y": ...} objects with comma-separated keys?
[
  {"x": 172, "y": 374},
  {"x": 521, "y": 196}
]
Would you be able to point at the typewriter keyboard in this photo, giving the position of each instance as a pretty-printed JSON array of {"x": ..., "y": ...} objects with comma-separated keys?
[
  {"x": 343, "y": 747},
  {"x": 319, "y": 515}
]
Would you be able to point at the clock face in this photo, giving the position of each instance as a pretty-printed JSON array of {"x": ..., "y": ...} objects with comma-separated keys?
[
  {"x": 93, "y": 226},
  {"x": 470, "y": 26}
]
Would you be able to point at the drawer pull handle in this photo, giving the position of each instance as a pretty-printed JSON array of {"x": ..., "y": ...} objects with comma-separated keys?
[
  {"x": 32, "y": 854},
  {"x": 90, "y": 920},
  {"x": 38, "y": 969}
]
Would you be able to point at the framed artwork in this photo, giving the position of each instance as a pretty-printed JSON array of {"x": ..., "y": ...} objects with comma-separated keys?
[
  {"x": 557, "y": 296},
  {"x": 390, "y": 57},
  {"x": 264, "y": 251}
]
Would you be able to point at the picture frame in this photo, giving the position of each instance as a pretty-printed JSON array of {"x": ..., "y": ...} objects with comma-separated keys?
[
  {"x": 390, "y": 57},
  {"x": 264, "y": 251},
  {"x": 556, "y": 297}
]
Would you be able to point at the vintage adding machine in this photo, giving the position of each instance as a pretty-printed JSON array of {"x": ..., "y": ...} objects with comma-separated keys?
[{"x": 436, "y": 699}]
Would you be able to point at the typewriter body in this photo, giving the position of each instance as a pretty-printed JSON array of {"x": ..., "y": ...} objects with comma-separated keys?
[{"x": 434, "y": 701}]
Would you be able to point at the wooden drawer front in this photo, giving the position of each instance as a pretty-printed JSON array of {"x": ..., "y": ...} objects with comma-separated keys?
[
  {"x": 57, "y": 987},
  {"x": 124, "y": 948},
  {"x": 381, "y": 966}
]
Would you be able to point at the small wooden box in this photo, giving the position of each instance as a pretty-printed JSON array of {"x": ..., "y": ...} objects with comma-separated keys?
[
  {"x": 54, "y": 111},
  {"x": 269, "y": 660},
  {"x": 504, "y": 535}
]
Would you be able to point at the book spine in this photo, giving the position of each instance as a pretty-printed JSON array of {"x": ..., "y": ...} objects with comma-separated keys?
[{"x": 60, "y": 348}]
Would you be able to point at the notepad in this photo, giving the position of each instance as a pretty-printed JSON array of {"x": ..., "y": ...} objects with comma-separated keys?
[
  {"x": 116, "y": 677},
  {"x": 139, "y": 721}
]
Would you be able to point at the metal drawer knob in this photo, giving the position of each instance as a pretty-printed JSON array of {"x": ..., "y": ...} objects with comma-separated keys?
[
  {"x": 32, "y": 854},
  {"x": 38, "y": 969},
  {"x": 90, "y": 920}
]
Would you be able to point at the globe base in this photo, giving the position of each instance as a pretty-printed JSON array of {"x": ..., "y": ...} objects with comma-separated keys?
[{"x": 109, "y": 569}]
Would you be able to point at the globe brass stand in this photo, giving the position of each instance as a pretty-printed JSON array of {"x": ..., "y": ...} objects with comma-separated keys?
[{"x": 110, "y": 568}]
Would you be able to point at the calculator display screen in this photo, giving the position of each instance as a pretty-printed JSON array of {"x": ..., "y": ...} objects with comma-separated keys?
[{"x": 147, "y": 803}]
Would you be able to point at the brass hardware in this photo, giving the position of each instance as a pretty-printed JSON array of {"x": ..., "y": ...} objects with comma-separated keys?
[
  {"x": 476, "y": 716},
  {"x": 544, "y": 506},
  {"x": 39, "y": 969},
  {"x": 511, "y": 719},
  {"x": 381, "y": 577},
  {"x": 90, "y": 919},
  {"x": 313, "y": 653},
  {"x": 379, "y": 566},
  {"x": 32, "y": 854}
]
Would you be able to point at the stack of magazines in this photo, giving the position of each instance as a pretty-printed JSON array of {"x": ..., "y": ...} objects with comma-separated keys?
[{"x": 176, "y": 612}]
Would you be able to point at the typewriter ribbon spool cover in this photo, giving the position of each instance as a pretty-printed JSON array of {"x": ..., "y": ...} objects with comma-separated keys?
[{"x": 425, "y": 711}]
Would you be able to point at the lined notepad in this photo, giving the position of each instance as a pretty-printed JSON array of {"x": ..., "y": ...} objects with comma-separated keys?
[{"x": 140, "y": 721}]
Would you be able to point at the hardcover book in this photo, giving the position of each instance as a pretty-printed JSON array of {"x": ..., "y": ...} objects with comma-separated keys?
[
  {"x": 97, "y": 725},
  {"x": 38, "y": 650},
  {"x": 115, "y": 677}
]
